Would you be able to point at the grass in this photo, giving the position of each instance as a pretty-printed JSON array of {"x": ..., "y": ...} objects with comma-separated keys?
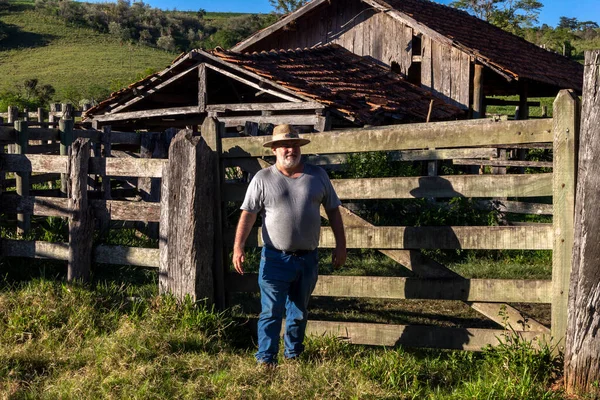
[
  {"x": 115, "y": 340},
  {"x": 77, "y": 62}
]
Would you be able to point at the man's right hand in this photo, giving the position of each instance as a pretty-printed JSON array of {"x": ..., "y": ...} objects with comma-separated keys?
[{"x": 238, "y": 260}]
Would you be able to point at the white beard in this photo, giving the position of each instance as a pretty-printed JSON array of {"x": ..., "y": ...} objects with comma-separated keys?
[{"x": 289, "y": 162}]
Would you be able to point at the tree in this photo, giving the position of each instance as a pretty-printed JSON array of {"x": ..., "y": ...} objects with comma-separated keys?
[
  {"x": 568, "y": 23},
  {"x": 510, "y": 15},
  {"x": 286, "y": 6}
]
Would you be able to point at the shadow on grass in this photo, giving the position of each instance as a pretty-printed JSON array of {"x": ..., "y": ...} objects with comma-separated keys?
[{"x": 18, "y": 39}]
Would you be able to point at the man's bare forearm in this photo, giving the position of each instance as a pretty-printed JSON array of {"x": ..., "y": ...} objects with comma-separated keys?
[
  {"x": 337, "y": 226},
  {"x": 247, "y": 220}
]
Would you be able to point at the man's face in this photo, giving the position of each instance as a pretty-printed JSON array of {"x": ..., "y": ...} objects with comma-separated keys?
[{"x": 288, "y": 154}]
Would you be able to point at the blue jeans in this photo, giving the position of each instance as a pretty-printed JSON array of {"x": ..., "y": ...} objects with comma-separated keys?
[{"x": 286, "y": 283}]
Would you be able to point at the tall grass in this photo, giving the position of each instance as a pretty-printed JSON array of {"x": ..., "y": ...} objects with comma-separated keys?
[{"x": 121, "y": 340}]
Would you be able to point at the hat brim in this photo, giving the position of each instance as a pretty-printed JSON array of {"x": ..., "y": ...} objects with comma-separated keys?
[{"x": 299, "y": 142}]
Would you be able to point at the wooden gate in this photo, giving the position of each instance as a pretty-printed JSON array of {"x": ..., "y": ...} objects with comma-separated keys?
[{"x": 431, "y": 280}]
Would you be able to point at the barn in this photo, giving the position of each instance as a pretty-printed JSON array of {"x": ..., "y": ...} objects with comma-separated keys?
[{"x": 458, "y": 57}]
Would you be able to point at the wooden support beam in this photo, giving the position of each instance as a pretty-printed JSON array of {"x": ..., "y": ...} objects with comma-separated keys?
[
  {"x": 156, "y": 113},
  {"x": 455, "y": 134},
  {"x": 258, "y": 86},
  {"x": 566, "y": 131},
  {"x": 152, "y": 90},
  {"x": 478, "y": 106},
  {"x": 292, "y": 119},
  {"x": 305, "y": 105},
  {"x": 81, "y": 222},
  {"x": 202, "y": 88}
]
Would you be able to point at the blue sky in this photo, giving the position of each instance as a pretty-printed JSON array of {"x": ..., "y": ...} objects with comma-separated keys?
[{"x": 583, "y": 10}]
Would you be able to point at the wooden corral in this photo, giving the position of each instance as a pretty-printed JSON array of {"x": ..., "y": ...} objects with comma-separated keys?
[
  {"x": 460, "y": 58},
  {"x": 184, "y": 254}
]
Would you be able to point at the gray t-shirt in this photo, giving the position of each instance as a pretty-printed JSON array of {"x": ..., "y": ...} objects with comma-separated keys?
[{"x": 290, "y": 206}]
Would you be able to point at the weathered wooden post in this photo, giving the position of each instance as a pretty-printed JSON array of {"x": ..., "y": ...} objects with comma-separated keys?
[
  {"x": 212, "y": 131},
  {"x": 187, "y": 220},
  {"x": 13, "y": 116},
  {"x": 40, "y": 115},
  {"x": 149, "y": 187},
  {"x": 81, "y": 221},
  {"x": 67, "y": 111},
  {"x": 65, "y": 127},
  {"x": 582, "y": 348},
  {"x": 22, "y": 178},
  {"x": 566, "y": 126},
  {"x": 106, "y": 139},
  {"x": 478, "y": 108}
]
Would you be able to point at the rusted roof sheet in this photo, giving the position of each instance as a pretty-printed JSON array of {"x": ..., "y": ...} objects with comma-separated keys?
[
  {"x": 354, "y": 85},
  {"x": 509, "y": 53}
]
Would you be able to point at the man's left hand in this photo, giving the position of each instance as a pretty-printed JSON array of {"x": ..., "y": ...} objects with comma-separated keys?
[{"x": 338, "y": 257}]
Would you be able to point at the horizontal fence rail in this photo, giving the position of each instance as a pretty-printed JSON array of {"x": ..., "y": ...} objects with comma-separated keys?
[
  {"x": 57, "y": 207},
  {"x": 471, "y": 133},
  {"x": 121, "y": 255},
  {"x": 471, "y": 339},
  {"x": 138, "y": 167},
  {"x": 526, "y": 185},
  {"x": 490, "y": 290},
  {"x": 533, "y": 237}
]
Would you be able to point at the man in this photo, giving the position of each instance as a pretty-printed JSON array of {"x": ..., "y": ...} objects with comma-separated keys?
[{"x": 289, "y": 195}]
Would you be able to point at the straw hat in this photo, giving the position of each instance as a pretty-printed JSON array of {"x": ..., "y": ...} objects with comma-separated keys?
[{"x": 286, "y": 133}]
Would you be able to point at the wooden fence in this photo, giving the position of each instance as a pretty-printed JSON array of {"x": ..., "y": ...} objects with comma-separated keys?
[
  {"x": 194, "y": 241},
  {"x": 403, "y": 244}
]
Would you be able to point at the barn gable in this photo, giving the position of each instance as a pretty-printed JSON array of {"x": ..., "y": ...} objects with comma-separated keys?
[{"x": 432, "y": 45}]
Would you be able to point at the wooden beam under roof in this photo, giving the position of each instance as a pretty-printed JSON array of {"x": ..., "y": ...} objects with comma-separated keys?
[
  {"x": 252, "y": 84},
  {"x": 159, "y": 112},
  {"x": 207, "y": 56},
  {"x": 153, "y": 90},
  {"x": 264, "y": 106}
]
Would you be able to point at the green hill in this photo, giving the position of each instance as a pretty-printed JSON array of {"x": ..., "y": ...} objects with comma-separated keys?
[{"x": 77, "y": 62}]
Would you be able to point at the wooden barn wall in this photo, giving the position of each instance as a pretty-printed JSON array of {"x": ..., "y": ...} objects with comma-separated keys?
[
  {"x": 354, "y": 26},
  {"x": 364, "y": 31},
  {"x": 445, "y": 71}
]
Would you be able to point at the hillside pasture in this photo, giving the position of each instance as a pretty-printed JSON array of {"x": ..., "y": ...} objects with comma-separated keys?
[{"x": 77, "y": 62}]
